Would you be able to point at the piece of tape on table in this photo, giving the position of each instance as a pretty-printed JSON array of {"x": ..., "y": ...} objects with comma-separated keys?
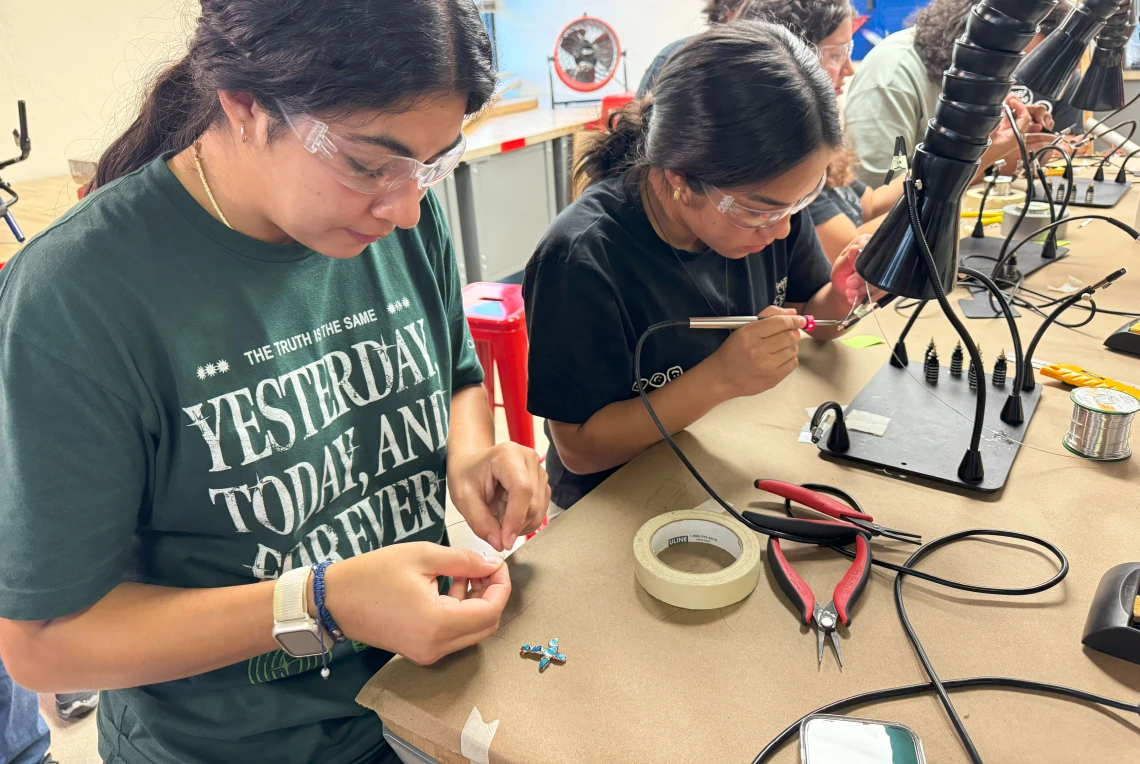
[
  {"x": 1071, "y": 285},
  {"x": 859, "y": 341},
  {"x": 860, "y": 421},
  {"x": 475, "y": 739}
]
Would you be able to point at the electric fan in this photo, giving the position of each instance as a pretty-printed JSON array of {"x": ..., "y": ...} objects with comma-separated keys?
[{"x": 586, "y": 57}]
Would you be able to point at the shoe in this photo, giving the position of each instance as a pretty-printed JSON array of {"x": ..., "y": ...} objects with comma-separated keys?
[
  {"x": 49, "y": 759},
  {"x": 74, "y": 705}
]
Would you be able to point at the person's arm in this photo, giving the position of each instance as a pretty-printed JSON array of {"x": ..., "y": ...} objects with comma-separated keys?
[
  {"x": 878, "y": 202},
  {"x": 501, "y": 490},
  {"x": 753, "y": 359},
  {"x": 139, "y": 634}
]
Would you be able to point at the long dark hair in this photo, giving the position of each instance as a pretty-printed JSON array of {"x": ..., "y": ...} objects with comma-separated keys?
[
  {"x": 810, "y": 20},
  {"x": 329, "y": 57},
  {"x": 739, "y": 104}
]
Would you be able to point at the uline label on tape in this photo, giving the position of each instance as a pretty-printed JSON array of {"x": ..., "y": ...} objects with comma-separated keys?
[{"x": 697, "y": 591}]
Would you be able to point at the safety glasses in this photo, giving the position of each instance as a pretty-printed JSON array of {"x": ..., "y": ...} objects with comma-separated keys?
[
  {"x": 362, "y": 167},
  {"x": 835, "y": 56},
  {"x": 746, "y": 217}
]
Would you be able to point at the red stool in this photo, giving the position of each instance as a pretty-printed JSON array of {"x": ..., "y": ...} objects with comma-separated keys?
[
  {"x": 610, "y": 104},
  {"x": 497, "y": 321},
  {"x": 498, "y": 325}
]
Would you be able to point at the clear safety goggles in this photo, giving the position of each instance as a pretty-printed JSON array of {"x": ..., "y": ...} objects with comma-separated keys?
[
  {"x": 746, "y": 217},
  {"x": 361, "y": 167},
  {"x": 835, "y": 56}
]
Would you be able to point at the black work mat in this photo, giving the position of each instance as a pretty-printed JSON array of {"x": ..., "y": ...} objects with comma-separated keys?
[
  {"x": 982, "y": 254},
  {"x": 1106, "y": 193},
  {"x": 927, "y": 440}
]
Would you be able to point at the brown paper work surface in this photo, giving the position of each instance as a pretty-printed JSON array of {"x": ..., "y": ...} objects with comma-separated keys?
[{"x": 647, "y": 682}]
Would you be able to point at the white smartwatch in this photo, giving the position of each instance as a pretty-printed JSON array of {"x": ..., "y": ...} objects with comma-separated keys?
[{"x": 298, "y": 634}]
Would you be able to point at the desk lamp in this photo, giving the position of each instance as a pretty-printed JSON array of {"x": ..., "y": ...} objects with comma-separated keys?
[{"x": 915, "y": 252}]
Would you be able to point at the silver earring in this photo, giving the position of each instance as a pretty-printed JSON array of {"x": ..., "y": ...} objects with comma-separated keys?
[{"x": 242, "y": 132}]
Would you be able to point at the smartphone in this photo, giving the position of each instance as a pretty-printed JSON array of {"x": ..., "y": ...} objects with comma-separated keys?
[{"x": 826, "y": 739}]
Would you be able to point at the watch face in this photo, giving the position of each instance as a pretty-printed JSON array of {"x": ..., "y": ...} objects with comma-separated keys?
[{"x": 301, "y": 643}]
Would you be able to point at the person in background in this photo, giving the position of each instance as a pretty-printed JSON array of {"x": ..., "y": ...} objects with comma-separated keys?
[
  {"x": 24, "y": 735},
  {"x": 897, "y": 85},
  {"x": 239, "y": 386},
  {"x": 692, "y": 208},
  {"x": 845, "y": 202},
  {"x": 717, "y": 12}
]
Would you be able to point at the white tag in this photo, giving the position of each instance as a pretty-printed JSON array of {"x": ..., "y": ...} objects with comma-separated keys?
[{"x": 1071, "y": 285}]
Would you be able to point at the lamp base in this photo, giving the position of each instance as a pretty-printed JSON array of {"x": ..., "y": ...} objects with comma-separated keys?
[
  {"x": 925, "y": 440},
  {"x": 1106, "y": 194}
]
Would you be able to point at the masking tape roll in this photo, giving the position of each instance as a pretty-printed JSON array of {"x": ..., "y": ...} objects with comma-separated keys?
[{"x": 697, "y": 591}]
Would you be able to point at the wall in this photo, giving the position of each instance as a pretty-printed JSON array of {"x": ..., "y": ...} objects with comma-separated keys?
[
  {"x": 80, "y": 65},
  {"x": 527, "y": 29}
]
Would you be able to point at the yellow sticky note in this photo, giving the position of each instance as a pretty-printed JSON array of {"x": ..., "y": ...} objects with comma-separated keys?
[{"x": 862, "y": 341}]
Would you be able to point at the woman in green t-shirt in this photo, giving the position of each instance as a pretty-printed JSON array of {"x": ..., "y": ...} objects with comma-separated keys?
[{"x": 241, "y": 358}]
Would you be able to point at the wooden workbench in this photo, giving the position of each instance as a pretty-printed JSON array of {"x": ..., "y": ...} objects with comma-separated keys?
[
  {"x": 514, "y": 131},
  {"x": 647, "y": 682},
  {"x": 41, "y": 202}
]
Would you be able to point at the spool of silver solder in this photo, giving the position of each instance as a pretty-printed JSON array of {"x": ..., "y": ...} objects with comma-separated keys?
[{"x": 1101, "y": 423}]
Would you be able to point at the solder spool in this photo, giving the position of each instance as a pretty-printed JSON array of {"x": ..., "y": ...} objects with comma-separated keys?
[{"x": 1101, "y": 423}]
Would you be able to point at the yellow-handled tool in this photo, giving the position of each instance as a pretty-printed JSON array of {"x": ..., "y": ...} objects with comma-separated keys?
[{"x": 1078, "y": 377}]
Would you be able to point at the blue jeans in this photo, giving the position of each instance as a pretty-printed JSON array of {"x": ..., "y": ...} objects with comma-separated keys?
[{"x": 24, "y": 736}]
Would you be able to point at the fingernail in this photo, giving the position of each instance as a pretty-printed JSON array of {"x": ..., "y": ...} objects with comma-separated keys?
[
  {"x": 493, "y": 540},
  {"x": 509, "y": 543},
  {"x": 493, "y": 559}
]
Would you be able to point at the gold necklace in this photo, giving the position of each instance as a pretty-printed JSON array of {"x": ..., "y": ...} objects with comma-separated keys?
[{"x": 205, "y": 185}]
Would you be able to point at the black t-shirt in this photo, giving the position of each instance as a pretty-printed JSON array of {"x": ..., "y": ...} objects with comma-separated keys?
[
  {"x": 601, "y": 275},
  {"x": 844, "y": 200}
]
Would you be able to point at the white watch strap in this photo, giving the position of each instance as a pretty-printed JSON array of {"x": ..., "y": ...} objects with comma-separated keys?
[{"x": 289, "y": 595}]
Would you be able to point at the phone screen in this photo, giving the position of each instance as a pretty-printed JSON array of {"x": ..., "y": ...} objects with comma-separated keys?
[{"x": 843, "y": 740}]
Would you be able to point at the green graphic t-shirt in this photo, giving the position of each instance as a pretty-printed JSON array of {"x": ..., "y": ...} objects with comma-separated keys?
[{"x": 182, "y": 405}]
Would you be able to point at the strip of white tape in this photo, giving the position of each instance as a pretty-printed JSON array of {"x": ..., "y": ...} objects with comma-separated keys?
[
  {"x": 860, "y": 421},
  {"x": 475, "y": 739}
]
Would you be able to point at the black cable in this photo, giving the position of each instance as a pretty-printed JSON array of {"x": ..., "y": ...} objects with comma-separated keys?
[
  {"x": 911, "y": 320},
  {"x": 766, "y": 530},
  {"x": 990, "y": 286},
  {"x": 1068, "y": 302},
  {"x": 1122, "y": 176},
  {"x": 1053, "y": 301},
  {"x": 1122, "y": 226},
  {"x": 1029, "y": 183},
  {"x": 907, "y": 569},
  {"x": 951, "y": 316},
  {"x": 1071, "y": 180},
  {"x": 1106, "y": 118}
]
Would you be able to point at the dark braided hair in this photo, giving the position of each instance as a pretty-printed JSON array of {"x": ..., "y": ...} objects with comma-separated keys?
[
  {"x": 328, "y": 57},
  {"x": 810, "y": 20}
]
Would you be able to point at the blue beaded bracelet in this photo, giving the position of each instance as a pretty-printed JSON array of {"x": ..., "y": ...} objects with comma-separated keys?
[{"x": 323, "y": 614}]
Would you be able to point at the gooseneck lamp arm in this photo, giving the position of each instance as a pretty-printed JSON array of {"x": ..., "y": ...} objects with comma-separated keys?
[{"x": 1028, "y": 382}]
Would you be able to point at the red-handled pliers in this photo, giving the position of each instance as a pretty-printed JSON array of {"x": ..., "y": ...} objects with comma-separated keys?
[
  {"x": 843, "y": 599},
  {"x": 813, "y": 499},
  {"x": 849, "y": 588}
]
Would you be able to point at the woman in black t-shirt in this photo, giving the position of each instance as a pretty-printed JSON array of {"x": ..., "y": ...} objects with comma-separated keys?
[{"x": 693, "y": 209}]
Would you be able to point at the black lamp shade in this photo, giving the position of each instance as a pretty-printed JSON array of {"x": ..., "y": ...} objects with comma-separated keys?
[
  {"x": 1048, "y": 67},
  {"x": 1101, "y": 87},
  {"x": 893, "y": 259}
]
